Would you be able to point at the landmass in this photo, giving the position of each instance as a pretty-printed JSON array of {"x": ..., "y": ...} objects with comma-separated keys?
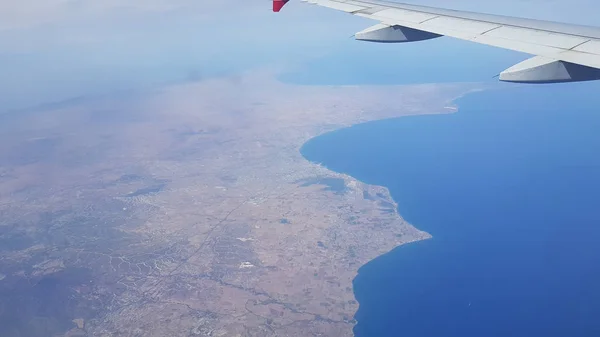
[{"x": 189, "y": 210}]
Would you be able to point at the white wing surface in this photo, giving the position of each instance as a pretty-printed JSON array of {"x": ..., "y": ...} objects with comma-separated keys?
[{"x": 564, "y": 52}]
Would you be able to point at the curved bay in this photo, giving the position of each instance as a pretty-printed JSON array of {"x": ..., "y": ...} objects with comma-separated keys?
[{"x": 509, "y": 188}]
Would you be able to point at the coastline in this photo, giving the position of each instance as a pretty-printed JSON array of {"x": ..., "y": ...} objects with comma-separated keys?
[
  {"x": 449, "y": 107},
  {"x": 460, "y": 178},
  {"x": 220, "y": 217}
]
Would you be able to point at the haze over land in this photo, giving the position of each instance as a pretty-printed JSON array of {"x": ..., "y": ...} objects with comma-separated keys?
[
  {"x": 191, "y": 209},
  {"x": 53, "y": 50}
]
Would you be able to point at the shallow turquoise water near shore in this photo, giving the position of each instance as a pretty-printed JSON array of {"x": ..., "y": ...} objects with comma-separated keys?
[{"x": 509, "y": 187}]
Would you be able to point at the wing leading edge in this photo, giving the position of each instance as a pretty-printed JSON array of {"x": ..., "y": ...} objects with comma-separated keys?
[{"x": 563, "y": 52}]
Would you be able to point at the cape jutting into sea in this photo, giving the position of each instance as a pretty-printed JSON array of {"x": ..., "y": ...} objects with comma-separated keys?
[{"x": 509, "y": 187}]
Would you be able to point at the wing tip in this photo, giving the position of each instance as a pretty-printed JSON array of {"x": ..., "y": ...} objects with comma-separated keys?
[{"x": 278, "y": 5}]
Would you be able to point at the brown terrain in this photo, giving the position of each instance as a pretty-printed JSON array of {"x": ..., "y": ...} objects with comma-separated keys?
[{"x": 189, "y": 211}]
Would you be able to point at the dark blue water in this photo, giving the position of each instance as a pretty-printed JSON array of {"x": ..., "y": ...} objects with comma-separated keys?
[{"x": 509, "y": 187}]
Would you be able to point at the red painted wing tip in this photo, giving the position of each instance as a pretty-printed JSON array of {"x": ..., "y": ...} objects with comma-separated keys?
[{"x": 278, "y": 5}]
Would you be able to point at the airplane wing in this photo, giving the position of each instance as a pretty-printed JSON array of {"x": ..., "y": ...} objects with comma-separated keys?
[{"x": 563, "y": 52}]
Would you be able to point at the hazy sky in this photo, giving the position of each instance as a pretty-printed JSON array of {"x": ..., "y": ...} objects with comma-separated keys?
[{"x": 51, "y": 50}]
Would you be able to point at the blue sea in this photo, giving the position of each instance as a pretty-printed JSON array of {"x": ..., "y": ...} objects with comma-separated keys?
[{"x": 509, "y": 187}]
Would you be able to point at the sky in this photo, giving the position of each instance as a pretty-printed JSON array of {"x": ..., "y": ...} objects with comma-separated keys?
[{"x": 53, "y": 50}]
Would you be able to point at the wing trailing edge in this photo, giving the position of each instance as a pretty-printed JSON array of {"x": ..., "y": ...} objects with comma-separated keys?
[{"x": 562, "y": 52}]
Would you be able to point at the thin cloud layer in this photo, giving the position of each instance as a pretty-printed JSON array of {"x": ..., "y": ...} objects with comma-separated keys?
[
  {"x": 30, "y": 13},
  {"x": 86, "y": 46}
]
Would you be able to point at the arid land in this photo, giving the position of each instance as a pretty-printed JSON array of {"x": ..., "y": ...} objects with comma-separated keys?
[{"x": 189, "y": 211}]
